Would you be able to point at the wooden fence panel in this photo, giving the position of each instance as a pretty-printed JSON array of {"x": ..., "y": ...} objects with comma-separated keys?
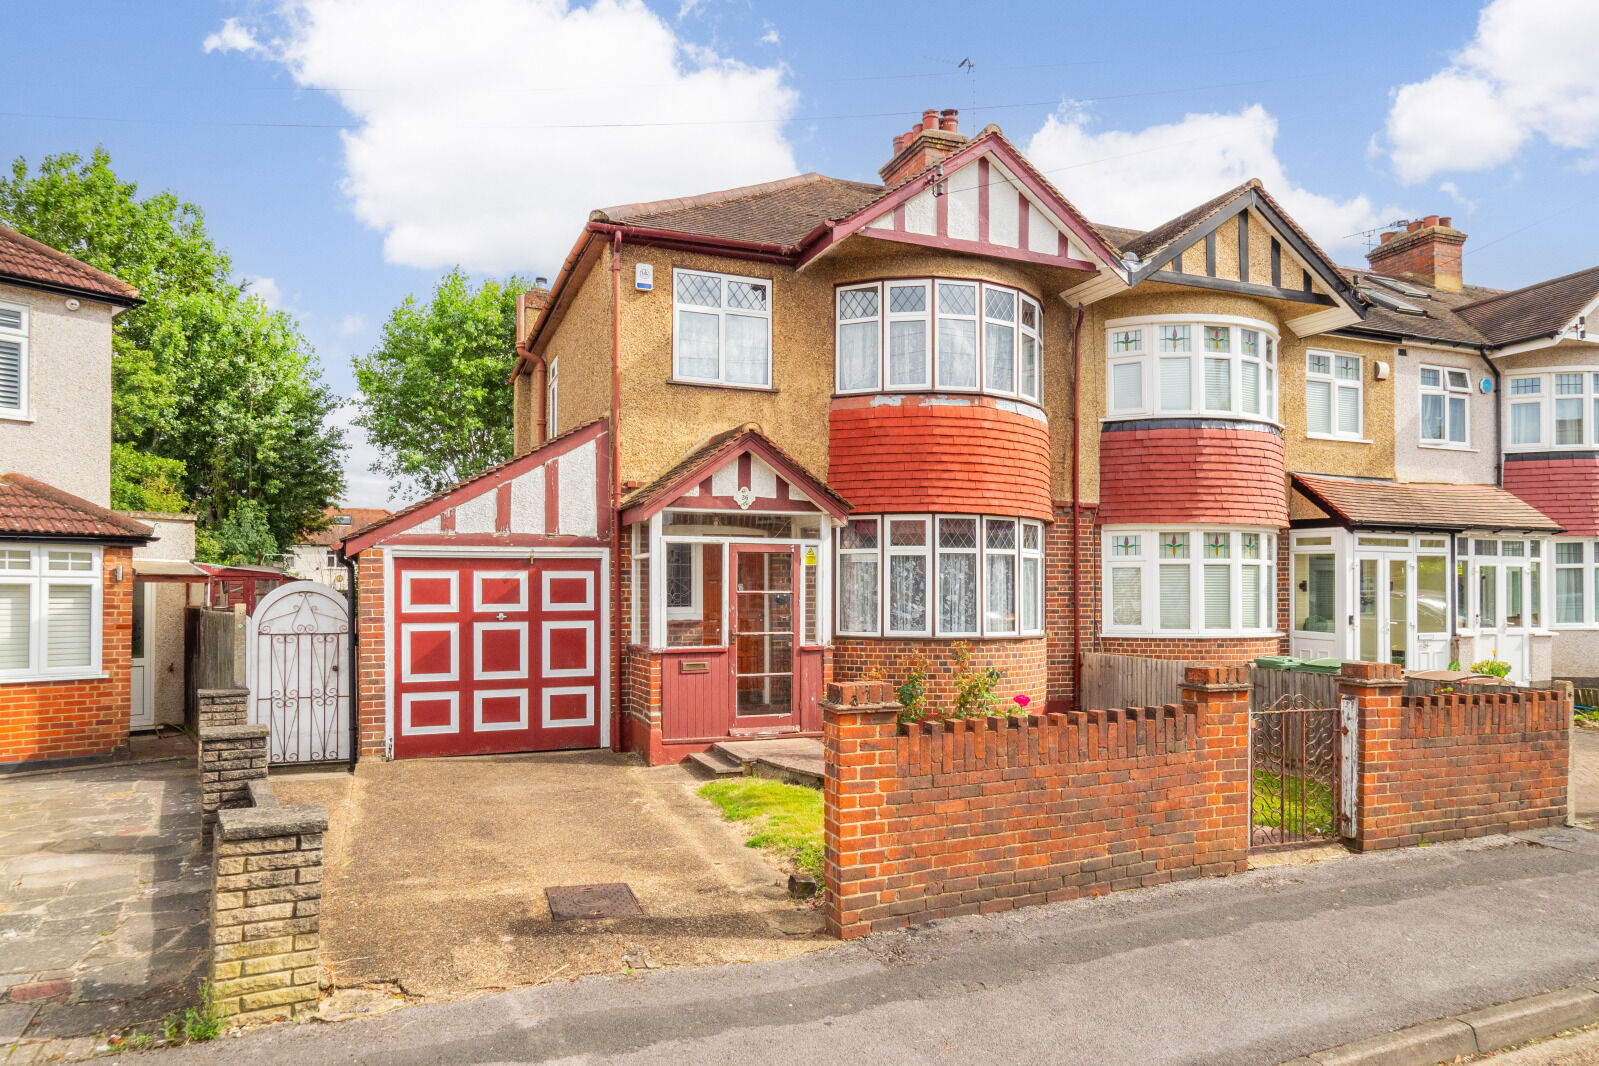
[
  {"x": 1130, "y": 681},
  {"x": 1274, "y": 687},
  {"x": 212, "y": 642}
]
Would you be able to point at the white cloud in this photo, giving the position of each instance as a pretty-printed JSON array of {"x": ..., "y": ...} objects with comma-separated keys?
[
  {"x": 362, "y": 488},
  {"x": 266, "y": 289},
  {"x": 1529, "y": 71},
  {"x": 1451, "y": 190},
  {"x": 770, "y": 36},
  {"x": 458, "y": 156},
  {"x": 350, "y": 325},
  {"x": 232, "y": 37},
  {"x": 1143, "y": 177}
]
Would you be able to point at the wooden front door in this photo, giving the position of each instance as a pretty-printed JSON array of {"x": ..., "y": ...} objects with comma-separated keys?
[{"x": 765, "y": 635}]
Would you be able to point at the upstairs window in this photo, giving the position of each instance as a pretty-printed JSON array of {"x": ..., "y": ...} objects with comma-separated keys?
[
  {"x": 935, "y": 333},
  {"x": 1334, "y": 400},
  {"x": 722, "y": 329},
  {"x": 1558, "y": 409},
  {"x": 13, "y": 361},
  {"x": 1445, "y": 392},
  {"x": 552, "y": 406},
  {"x": 1160, "y": 367}
]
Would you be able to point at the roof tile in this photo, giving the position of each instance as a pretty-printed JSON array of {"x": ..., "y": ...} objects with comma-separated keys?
[
  {"x": 33, "y": 508},
  {"x": 26, "y": 260},
  {"x": 1373, "y": 503}
]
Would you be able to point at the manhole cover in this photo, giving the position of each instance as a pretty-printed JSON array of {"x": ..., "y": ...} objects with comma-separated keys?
[{"x": 569, "y": 902}]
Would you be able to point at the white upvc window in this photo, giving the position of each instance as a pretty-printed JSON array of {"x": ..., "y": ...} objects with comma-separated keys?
[
  {"x": 1526, "y": 410},
  {"x": 948, "y": 334},
  {"x": 552, "y": 408},
  {"x": 1554, "y": 409},
  {"x": 1334, "y": 395},
  {"x": 722, "y": 329},
  {"x": 1576, "y": 566},
  {"x": 1173, "y": 365},
  {"x": 1445, "y": 406},
  {"x": 1189, "y": 582},
  {"x": 50, "y": 610},
  {"x": 941, "y": 575},
  {"x": 13, "y": 361}
]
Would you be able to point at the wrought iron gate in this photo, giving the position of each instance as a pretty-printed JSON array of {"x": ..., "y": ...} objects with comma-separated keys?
[
  {"x": 299, "y": 676},
  {"x": 1296, "y": 756}
]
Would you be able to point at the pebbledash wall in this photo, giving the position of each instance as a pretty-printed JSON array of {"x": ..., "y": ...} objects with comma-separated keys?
[
  {"x": 935, "y": 819},
  {"x": 50, "y": 720}
]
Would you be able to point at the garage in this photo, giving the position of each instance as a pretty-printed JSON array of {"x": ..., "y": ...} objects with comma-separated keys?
[{"x": 485, "y": 610}]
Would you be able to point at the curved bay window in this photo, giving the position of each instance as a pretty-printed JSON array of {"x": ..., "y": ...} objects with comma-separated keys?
[
  {"x": 941, "y": 576},
  {"x": 951, "y": 335},
  {"x": 1187, "y": 365}
]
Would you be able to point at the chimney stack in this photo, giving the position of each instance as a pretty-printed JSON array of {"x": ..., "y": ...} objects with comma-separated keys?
[
  {"x": 936, "y": 137},
  {"x": 1427, "y": 251}
]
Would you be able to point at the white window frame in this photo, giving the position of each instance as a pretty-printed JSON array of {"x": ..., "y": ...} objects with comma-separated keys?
[
  {"x": 1148, "y": 562},
  {"x": 838, "y": 590},
  {"x": 695, "y": 609},
  {"x": 38, "y": 577},
  {"x": 1587, "y": 583},
  {"x": 1147, "y": 357},
  {"x": 721, "y": 314},
  {"x": 1335, "y": 385},
  {"x": 1547, "y": 400},
  {"x": 1446, "y": 391},
  {"x": 19, "y": 337},
  {"x": 934, "y": 553},
  {"x": 930, "y": 380},
  {"x": 552, "y": 416}
]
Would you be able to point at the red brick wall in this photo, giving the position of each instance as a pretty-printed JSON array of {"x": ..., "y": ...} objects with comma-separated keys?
[
  {"x": 373, "y": 652},
  {"x": 1023, "y": 664},
  {"x": 74, "y": 719},
  {"x": 1162, "y": 476},
  {"x": 939, "y": 819},
  {"x": 918, "y": 456},
  {"x": 1444, "y": 767},
  {"x": 1566, "y": 490}
]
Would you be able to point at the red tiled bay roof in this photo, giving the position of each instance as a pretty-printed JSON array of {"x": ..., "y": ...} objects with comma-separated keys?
[
  {"x": 29, "y": 262},
  {"x": 33, "y": 509}
]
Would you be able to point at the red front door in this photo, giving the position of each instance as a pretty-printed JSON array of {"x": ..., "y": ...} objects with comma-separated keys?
[
  {"x": 765, "y": 635},
  {"x": 496, "y": 655}
]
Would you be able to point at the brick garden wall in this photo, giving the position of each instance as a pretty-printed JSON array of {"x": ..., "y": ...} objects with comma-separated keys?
[
  {"x": 222, "y": 706},
  {"x": 938, "y": 819},
  {"x": 47, "y": 720},
  {"x": 1444, "y": 767},
  {"x": 1023, "y": 664}
]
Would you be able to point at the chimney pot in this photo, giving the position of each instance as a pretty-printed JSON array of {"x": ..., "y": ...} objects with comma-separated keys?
[
  {"x": 1430, "y": 220},
  {"x": 1446, "y": 222},
  {"x": 930, "y": 119},
  {"x": 1413, "y": 227},
  {"x": 1390, "y": 235},
  {"x": 541, "y": 283},
  {"x": 949, "y": 120},
  {"x": 899, "y": 142},
  {"x": 1428, "y": 252}
]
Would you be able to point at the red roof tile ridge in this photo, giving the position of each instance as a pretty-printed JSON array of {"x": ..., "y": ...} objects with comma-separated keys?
[
  {"x": 114, "y": 285},
  {"x": 721, "y": 196}
]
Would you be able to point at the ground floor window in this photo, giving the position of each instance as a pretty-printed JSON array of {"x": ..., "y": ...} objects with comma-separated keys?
[
  {"x": 1576, "y": 566},
  {"x": 49, "y": 611},
  {"x": 1211, "y": 581},
  {"x": 941, "y": 575}
]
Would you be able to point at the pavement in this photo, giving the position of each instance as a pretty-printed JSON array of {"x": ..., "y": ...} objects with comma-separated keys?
[
  {"x": 435, "y": 873},
  {"x": 1250, "y": 970},
  {"x": 1577, "y": 1049},
  {"x": 104, "y": 901},
  {"x": 1585, "y": 777}
]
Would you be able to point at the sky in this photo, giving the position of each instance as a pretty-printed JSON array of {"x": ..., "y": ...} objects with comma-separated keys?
[{"x": 348, "y": 152}]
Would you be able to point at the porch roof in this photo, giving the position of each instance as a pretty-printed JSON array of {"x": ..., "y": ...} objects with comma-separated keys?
[
  {"x": 1376, "y": 504},
  {"x": 717, "y": 452},
  {"x": 32, "y": 509}
]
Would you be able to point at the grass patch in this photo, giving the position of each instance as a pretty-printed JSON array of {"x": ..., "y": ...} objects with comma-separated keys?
[
  {"x": 1297, "y": 797},
  {"x": 782, "y": 818}
]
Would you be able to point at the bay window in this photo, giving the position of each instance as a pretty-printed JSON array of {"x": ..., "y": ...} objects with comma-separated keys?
[
  {"x": 1334, "y": 395},
  {"x": 1555, "y": 409},
  {"x": 49, "y": 612},
  {"x": 937, "y": 333},
  {"x": 1576, "y": 582},
  {"x": 1445, "y": 395},
  {"x": 941, "y": 576},
  {"x": 1175, "y": 582},
  {"x": 1213, "y": 366},
  {"x": 721, "y": 329}
]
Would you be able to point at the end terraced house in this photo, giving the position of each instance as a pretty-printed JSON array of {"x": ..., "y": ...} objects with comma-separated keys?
[{"x": 822, "y": 429}]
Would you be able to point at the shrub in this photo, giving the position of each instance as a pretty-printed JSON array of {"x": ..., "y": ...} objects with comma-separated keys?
[
  {"x": 1495, "y": 666},
  {"x": 974, "y": 689},
  {"x": 913, "y": 692}
]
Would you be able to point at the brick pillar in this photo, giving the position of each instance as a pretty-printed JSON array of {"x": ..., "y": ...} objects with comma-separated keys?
[
  {"x": 1376, "y": 689},
  {"x": 859, "y": 730},
  {"x": 1221, "y": 696},
  {"x": 222, "y": 706},
  {"x": 231, "y": 756}
]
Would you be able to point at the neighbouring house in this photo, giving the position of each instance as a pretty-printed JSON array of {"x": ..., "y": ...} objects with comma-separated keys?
[
  {"x": 849, "y": 430},
  {"x": 315, "y": 557},
  {"x": 68, "y": 612}
]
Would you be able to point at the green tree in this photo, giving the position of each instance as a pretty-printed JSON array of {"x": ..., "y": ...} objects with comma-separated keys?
[
  {"x": 213, "y": 394},
  {"x": 243, "y": 537},
  {"x": 434, "y": 399}
]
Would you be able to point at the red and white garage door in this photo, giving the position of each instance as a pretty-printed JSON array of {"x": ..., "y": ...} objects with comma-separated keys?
[{"x": 497, "y": 655}]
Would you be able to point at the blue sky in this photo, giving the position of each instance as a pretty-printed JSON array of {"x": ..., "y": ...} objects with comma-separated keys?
[{"x": 346, "y": 152}]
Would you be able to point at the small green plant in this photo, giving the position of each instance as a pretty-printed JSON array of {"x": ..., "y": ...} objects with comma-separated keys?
[
  {"x": 913, "y": 692},
  {"x": 974, "y": 689},
  {"x": 1454, "y": 664},
  {"x": 1495, "y": 666},
  {"x": 195, "y": 1024}
]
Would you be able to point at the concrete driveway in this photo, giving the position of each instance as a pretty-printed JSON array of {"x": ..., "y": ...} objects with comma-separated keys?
[
  {"x": 436, "y": 871},
  {"x": 1585, "y": 777},
  {"x": 104, "y": 901}
]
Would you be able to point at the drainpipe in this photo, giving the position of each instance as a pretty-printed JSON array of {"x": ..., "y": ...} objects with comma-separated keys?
[
  {"x": 616, "y": 491},
  {"x": 1499, "y": 422},
  {"x": 1077, "y": 580},
  {"x": 355, "y": 678}
]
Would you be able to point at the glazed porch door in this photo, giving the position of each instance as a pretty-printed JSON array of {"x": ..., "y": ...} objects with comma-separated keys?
[
  {"x": 1382, "y": 603},
  {"x": 765, "y": 635}
]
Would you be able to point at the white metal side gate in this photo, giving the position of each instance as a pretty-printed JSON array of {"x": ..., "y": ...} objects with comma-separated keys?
[{"x": 299, "y": 673}]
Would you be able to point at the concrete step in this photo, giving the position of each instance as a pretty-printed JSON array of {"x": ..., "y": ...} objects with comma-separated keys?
[{"x": 713, "y": 764}]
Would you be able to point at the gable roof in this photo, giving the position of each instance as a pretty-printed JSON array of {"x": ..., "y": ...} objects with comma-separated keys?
[
  {"x": 1538, "y": 310},
  {"x": 700, "y": 461},
  {"x": 31, "y": 508},
  {"x": 26, "y": 261},
  {"x": 1375, "y": 504}
]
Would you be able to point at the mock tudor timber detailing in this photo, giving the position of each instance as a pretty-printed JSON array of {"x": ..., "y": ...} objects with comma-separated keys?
[
  {"x": 932, "y": 820},
  {"x": 1167, "y": 471}
]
